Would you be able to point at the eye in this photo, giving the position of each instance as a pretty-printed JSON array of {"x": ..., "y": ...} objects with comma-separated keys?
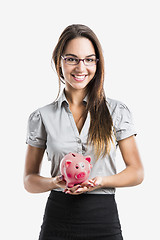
[
  {"x": 71, "y": 60},
  {"x": 82, "y": 165},
  {"x": 77, "y": 167},
  {"x": 90, "y": 60}
]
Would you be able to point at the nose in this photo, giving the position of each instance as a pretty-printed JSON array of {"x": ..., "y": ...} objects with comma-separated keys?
[{"x": 80, "y": 66}]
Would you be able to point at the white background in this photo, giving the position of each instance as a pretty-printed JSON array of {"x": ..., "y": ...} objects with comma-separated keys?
[{"x": 129, "y": 34}]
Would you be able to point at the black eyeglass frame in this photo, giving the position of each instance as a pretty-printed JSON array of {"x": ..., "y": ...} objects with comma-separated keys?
[{"x": 79, "y": 59}]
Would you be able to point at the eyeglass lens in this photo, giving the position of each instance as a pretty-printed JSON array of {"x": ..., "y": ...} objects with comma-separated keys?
[{"x": 87, "y": 61}]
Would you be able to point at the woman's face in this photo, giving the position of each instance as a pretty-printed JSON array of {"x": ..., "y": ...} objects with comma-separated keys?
[{"x": 78, "y": 76}]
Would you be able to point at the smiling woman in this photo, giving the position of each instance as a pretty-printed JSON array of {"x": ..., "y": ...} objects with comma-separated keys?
[
  {"x": 75, "y": 67},
  {"x": 82, "y": 120}
]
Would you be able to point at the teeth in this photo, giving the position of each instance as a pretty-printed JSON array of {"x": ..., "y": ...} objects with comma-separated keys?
[{"x": 79, "y": 77}]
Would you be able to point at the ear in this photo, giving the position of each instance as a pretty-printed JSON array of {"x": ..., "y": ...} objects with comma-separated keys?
[
  {"x": 88, "y": 158},
  {"x": 67, "y": 163}
]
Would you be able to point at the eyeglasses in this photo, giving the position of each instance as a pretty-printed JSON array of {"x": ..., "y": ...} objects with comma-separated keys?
[{"x": 88, "y": 61}]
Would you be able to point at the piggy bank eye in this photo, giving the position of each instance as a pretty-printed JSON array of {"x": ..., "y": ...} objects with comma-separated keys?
[
  {"x": 82, "y": 165},
  {"x": 77, "y": 166}
]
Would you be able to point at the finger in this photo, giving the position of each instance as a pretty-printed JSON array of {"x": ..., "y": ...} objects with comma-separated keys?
[
  {"x": 59, "y": 178},
  {"x": 87, "y": 183},
  {"x": 91, "y": 180},
  {"x": 71, "y": 191},
  {"x": 82, "y": 190},
  {"x": 74, "y": 188},
  {"x": 90, "y": 184},
  {"x": 98, "y": 182}
]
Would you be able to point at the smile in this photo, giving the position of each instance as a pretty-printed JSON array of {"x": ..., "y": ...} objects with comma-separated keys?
[{"x": 79, "y": 77}]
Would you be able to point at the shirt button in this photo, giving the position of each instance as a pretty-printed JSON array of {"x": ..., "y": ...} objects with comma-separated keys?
[{"x": 79, "y": 140}]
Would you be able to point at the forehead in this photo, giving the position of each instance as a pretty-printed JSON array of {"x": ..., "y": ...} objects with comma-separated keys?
[{"x": 80, "y": 47}]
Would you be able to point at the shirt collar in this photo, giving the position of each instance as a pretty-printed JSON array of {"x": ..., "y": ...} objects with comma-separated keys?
[{"x": 62, "y": 98}]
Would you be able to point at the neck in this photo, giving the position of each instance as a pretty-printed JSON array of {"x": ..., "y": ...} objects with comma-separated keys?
[{"x": 74, "y": 96}]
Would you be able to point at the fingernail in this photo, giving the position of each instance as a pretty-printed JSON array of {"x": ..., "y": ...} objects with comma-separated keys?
[
  {"x": 90, "y": 185},
  {"x": 61, "y": 177}
]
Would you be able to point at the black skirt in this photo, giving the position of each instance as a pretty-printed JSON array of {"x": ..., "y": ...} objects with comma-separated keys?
[{"x": 80, "y": 217}]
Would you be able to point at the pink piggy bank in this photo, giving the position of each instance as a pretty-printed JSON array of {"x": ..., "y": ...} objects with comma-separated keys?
[{"x": 75, "y": 168}]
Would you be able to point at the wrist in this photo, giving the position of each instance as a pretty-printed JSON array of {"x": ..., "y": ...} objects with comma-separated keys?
[{"x": 105, "y": 182}]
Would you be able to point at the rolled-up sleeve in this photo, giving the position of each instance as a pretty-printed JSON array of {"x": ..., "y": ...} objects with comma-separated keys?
[
  {"x": 124, "y": 126},
  {"x": 36, "y": 133}
]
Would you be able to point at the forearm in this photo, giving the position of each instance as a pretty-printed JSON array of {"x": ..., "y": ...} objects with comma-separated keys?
[
  {"x": 35, "y": 183},
  {"x": 130, "y": 176}
]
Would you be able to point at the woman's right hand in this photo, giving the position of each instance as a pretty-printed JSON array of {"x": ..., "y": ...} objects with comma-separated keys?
[{"x": 59, "y": 181}]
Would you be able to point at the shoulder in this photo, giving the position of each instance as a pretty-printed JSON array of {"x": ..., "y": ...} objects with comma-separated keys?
[
  {"x": 119, "y": 111},
  {"x": 115, "y": 106},
  {"x": 44, "y": 111},
  {"x": 122, "y": 119}
]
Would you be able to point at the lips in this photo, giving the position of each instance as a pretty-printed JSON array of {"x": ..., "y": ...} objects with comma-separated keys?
[{"x": 79, "y": 77}]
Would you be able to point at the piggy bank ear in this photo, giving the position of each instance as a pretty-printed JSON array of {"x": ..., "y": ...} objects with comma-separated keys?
[
  {"x": 67, "y": 163},
  {"x": 88, "y": 158}
]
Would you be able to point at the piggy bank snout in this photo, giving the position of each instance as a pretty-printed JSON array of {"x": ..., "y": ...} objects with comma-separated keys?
[{"x": 80, "y": 175}]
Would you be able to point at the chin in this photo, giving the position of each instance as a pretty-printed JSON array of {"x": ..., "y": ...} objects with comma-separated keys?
[{"x": 79, "y": 86}]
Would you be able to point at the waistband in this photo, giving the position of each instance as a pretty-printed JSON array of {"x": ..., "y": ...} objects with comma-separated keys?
[{"x": 91, "y": 197}]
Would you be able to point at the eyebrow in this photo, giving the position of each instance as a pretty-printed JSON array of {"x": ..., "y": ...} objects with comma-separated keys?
[{"x": 70, "y": 54}]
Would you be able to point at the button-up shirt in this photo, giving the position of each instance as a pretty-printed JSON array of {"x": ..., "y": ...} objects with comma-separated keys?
[{"x": 53, "y": 127}]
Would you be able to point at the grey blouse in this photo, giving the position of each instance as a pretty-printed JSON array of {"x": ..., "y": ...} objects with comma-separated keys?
[{"x": 53, "y": 127}]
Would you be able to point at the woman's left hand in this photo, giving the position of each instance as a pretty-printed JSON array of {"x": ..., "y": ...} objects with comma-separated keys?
[{"x": 87, "y": 186}]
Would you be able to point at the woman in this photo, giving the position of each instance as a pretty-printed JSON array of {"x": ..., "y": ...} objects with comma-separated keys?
[{"x": 81, "y": 120}]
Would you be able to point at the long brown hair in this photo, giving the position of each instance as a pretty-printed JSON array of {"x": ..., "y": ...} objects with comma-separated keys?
[{"x": 100, "y": 131}]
